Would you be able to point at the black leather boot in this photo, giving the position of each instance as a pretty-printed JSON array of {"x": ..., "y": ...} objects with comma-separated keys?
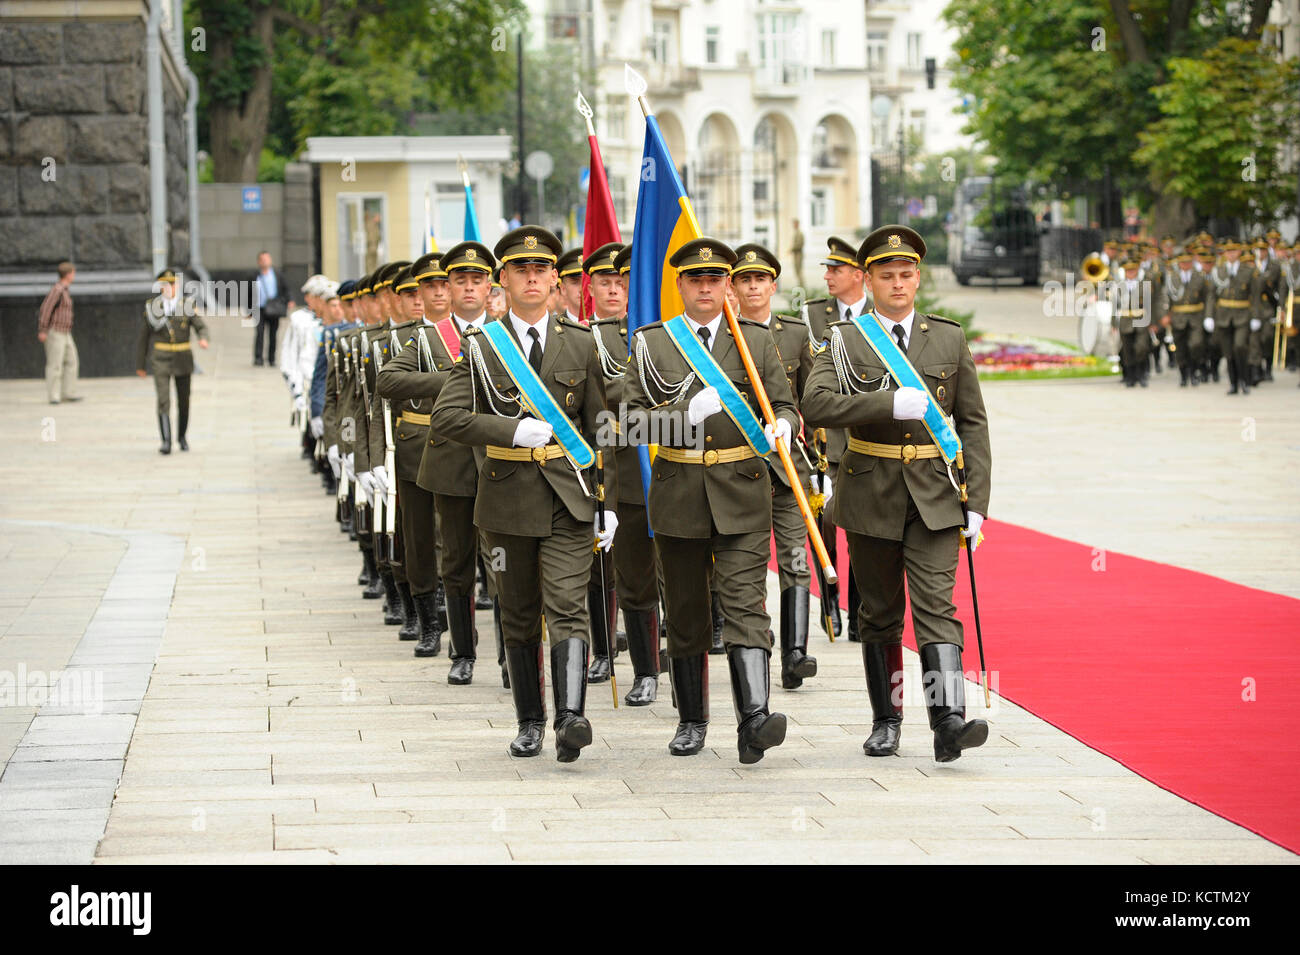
[
  {"x": 855, "y": 602},
  {"x": 718, "y": 620},
  {"x": 757, "y": 730},
  {"x": 796, "y": 665},
  {"x": 464, "y": 638},
  {"x": 392, "y": 601},
  {"x": 599, "y": 622},
  {"x": 363, "y": 578},
  {"x": 426, "y": 617},
  {"x": 165, "y": 431},
  {"x": 501, "y": 643},
  {"x": 569, "y": 684},
  {"x": 182, "y": 421},
  {"x": 440, "y": 604},
  {"x": 482, "y": 599},
  {"x": 884, "y": 666},
  {"x": 643, "y": 647},
  {"x": 375, "y": 588},
  {"x": 1182, "y": 377},
  {"x": 945, "y": 701},
  {"x": 1232, "y": 376},
  {"x": 525, "y": 664},
  {"x": 1244, "y": 380},
  {"x": 690, "y": 680},
  {"x": 410, "y": 625}
]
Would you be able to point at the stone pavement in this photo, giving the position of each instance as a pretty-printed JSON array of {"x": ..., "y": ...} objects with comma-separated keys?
[{"x": 282, "y": 722}]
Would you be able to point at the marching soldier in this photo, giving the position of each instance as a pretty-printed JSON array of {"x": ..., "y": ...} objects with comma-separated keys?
[
  {"x": 1186, "y": 291},
  {"x": 880, "y": 377},
  {"x": 569, "y": 268},
  {"x": 609, "y": 305},
  {"x": 1213, "y": 355},
  {"x": 1270, "y": 272},
  {"x": 164, "y": 347},
  {"x": 755, "y": 277},
  {"x": 711, "y": 496},
  {"x": 848, "y": 298},
  {"x": 1233, "y": 312},
  {"x": 636, "y": 573},
  {"x": 531, "y": 392},
  {"x": 1130, "y": 306}
]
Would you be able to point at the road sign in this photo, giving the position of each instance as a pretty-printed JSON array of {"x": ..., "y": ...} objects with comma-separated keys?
[
  {"x": 539, "y": 165},
  {"x": 252, "y": 199}
]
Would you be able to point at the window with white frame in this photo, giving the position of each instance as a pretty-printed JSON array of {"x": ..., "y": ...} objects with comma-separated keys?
[
  {"x": 914, "y": 61},
  {"x": 820, "y": 206},
  {"x": 877, "y": 50},
  {"x": 712, "y": 37},
  {"x": 828, "y": 48},
  {"x": 661, "y": 37}
]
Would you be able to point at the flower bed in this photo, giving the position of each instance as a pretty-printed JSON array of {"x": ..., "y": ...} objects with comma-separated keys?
[{"x": 1024, "y": 356}]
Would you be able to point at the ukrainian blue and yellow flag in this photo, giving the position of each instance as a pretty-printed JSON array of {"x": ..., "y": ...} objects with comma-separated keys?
[
  {"x": 664, "y": 222},
  {"x": 471, "y": 219},
  {"x": 430, "y": 243}
]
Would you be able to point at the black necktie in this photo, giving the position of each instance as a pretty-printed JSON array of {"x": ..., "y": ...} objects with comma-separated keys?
[
  {"x": 899, "y": 335},
  {"x": 703, "y": 332},
  {"x": 848, "y": 313},
  {"x": 535, "y": 351}
]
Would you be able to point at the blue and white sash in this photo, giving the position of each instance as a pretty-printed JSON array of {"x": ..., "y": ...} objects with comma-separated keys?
[
  {"x": 711, "y": 373},
  {"x": 535, "y": 397},
  {"x": 886, "y": 348}
]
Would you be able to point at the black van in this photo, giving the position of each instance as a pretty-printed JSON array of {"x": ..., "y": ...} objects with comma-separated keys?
[{"x": 993, "y": 233}]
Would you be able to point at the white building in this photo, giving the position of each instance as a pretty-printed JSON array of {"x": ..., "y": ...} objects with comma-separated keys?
[{"x": 766, "y": 106}]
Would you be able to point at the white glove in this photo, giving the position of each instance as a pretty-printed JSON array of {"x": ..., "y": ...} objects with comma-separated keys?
[
  {"x": 910, "y": 404},
  {"x": 532, "y": 433},
  {"x": 704, "y": 403},
  {"x": 300, "y": 402},
  {"x": 782, "y": 431},
  {"x": 348, "y": 467},
  {"x": 317, "y": 425},
  {"x": 605, "y": 538},
  {"x": 380, "y": 477},
  {"x": 335, "y": 461},
  {"x": 366, "y": 481},
  {"x": 1255, "y": 324},
  {"x": 1208, "y": 324},
  {"x": 827, "y": 489},
  {"x": 972, "y": 529}
]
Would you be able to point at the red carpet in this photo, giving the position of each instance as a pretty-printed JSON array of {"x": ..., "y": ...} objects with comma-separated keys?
[{"x": 1153, "y": 665}]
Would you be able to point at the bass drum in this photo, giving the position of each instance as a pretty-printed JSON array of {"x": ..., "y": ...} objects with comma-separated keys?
[{"x": 1095, "y": 329}]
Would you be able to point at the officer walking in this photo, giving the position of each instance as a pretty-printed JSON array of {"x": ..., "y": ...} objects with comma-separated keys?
[
  {"x": 164, "y": 346},
  {"x": 894, "y": 495}
]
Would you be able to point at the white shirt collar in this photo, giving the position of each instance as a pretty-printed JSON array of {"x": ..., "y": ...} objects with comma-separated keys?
[
  {"x": 906, "y": 323},
  {"x": 713, "y": 327},
  {"x": 765, "y": 321},
  {"x": 855, "y": 309},
  {"x": 521, "y": 329},
  {"x": 463, "y": 323},
  {"x": 571, "y": 317}
]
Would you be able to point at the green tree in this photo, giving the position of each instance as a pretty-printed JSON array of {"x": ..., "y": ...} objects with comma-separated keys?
[{"x": 1231, "y": 167}]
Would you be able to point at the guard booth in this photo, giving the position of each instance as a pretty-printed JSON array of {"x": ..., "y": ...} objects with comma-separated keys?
[{"x": 379, "y": 196}]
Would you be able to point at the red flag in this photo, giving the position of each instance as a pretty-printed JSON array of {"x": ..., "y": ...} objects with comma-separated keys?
[{"x": 601, "y": 224}]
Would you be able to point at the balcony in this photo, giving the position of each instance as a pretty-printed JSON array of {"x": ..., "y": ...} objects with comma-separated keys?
[
  {"x": 780, "y": 79},
  {"x": 672, "y": 79}
]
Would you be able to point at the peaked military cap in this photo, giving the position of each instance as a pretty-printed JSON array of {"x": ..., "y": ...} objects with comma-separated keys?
[
  {"x": 1272, "y": 234},
  {"x": 704, "y": 256},
  {"x": 530, "y": 243},
  {"x": 166, "y": 275},
  {"x": 623, "y": 261},
  {"x": 468, "y": 255},
  {"x": 389, "y": 272},
  {"x": 603, "y": 259},
  {"x": 841, "y": 253},
  {"x": 891, "y": 242},
  {"x": 752, "y": 257},
  {"x": 405, "y": 279},
  {"x": 347, "y": 288},
  {"x": 570, "y": 263},
  {"x": 428, "y": 267}
]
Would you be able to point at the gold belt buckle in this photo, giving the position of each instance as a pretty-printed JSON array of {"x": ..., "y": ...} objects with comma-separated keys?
[
  {"x": 909, "y": 453},
  {"x": 539, "y": 455},
  {"x": 710, "y": 458}
]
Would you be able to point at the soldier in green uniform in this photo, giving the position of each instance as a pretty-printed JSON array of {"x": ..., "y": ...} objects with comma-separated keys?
[
  {"x": 569, "y": 268},
  {"x": 754, "y": 276},
  {"x": 166, "y": 327},
  {"x": 1205, "y": 262},
  {"x": 1185, "y": 292},
  {"x": 894, "y": 494},
  {"x": 1129, "y": 305},
  {"x": 711, "y": 494},
  {"x": 535, "y": 489},
  {"x": 1270, "y": 274},
  {"x": 636, "y": 570},
  {"x": 609, "y": 310},
  {"x": 844, "y": 279},
  {"x": 1233, "y": 311}
]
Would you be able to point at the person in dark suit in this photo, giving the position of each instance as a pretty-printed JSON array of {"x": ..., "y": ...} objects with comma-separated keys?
[{"x": 272, "y": 305}]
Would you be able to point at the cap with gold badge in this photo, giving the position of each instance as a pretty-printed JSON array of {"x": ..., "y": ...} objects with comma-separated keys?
[
  {"x": 752, "y": 257},
  {"x": 570, "y": 263},
  {"x": 703, "y": 256},
  {"x": 623, "y": 261},
  {"x": 530, "y": 243},
  {"x": 428, "y": 268},
  {"x": 840, "y": 252},
  {"x": 166, "y": 275},
  {"x": 405, "y": 280},
  {"x": 603, "y": 259},
  {"x": 468, "y": 255},
  {"x": 891, "y": 242}
]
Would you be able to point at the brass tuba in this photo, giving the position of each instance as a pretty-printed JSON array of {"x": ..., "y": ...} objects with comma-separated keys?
[{"x": 1094, "y": 269}]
